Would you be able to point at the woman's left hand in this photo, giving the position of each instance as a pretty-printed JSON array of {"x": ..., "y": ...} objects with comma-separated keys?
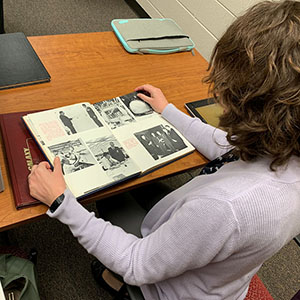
[{"x": 44, "y": 184}]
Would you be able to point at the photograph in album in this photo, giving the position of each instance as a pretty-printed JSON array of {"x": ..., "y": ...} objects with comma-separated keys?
[{"x": 107, "y": 142}]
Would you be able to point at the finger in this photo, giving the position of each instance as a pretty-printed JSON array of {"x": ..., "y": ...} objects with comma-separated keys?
[
  {"x": 43, "y": 164},
  {"x": 145, "y": 98},
  {"x": 48, "y": 165},
  {"x": 140, "y": 88},
  {"x": 33, "y": 168},
  {"x": 145, "y": 87},
  {"x": 57, "y": 165}
]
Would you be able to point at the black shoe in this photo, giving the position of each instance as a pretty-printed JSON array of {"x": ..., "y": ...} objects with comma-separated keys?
[
  {"x": 97, "y": 270},
  {"x": 33, "y": 255}
]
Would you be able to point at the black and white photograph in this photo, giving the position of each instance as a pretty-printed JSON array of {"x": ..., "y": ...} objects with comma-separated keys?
[
  {"x": 78, "y": 118},
  {"x": 91, "y": 113},
  {"x": 74, "y": 156},
  {"x": 112, "y": 157},
  {"x": 136, "y": 105},
  {"x": 160, "y": 141},
  {"x": 114, "y": 112}
]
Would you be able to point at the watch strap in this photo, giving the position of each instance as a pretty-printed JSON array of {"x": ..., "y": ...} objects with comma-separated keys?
[{"x": 57, "y": 202}]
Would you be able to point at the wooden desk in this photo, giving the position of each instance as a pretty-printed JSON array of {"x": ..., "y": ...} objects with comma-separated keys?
[{"x": 93, "y": 67}]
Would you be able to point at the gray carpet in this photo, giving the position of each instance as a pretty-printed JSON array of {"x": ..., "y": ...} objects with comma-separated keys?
[
  {"x": 43, "y": 17},
  {"x": 63, "y": 266},
  {"x": 281, "y": 273}
]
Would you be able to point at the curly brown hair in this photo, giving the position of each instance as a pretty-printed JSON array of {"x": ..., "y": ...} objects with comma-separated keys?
[{"x": 255, "y": 75}]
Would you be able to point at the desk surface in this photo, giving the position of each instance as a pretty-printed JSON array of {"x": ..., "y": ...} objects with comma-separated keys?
[{"x": 94, "y": 67}]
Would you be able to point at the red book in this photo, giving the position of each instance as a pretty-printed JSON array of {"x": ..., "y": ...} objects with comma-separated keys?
[{"x": 22, "y": 153}]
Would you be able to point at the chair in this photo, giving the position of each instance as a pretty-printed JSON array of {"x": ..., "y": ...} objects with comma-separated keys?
[
  {"x": 129, "y": 292},
  {"x": 297, "y": 239},
  {"x": 256, "y": 291}
]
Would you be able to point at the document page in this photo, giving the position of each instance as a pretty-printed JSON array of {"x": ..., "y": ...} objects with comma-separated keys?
[
  {"x": 82, "y": 140},
  {"x": 144, "y": 134}
]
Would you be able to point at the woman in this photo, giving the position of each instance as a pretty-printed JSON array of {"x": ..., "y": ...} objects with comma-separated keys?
[{"x": 208, "y": 238}]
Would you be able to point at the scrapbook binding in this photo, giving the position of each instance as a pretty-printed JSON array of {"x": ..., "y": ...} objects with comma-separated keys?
[{"x": 21, "y": 152}]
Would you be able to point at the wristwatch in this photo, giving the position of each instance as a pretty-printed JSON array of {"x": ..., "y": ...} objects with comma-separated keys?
[{"x": 57, "y": 202}]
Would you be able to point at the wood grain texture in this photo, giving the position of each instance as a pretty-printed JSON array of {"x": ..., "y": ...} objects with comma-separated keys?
[{"x": 94, "y": 67}]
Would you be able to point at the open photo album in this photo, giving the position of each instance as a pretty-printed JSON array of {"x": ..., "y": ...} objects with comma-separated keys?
[{"x": 107, "y": 142}]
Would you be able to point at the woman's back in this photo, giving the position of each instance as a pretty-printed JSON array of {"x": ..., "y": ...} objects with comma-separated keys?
[{"x": 229, "y": 223}]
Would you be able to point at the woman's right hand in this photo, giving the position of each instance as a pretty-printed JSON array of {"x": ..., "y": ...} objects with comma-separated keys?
[{"x": 153, "y": 96}]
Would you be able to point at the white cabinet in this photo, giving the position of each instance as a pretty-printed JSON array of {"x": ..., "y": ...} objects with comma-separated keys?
[{"x": 203, "y": 20}]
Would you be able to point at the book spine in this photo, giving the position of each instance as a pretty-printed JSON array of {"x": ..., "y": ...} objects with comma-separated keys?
[{"x": 12, "y": 171}]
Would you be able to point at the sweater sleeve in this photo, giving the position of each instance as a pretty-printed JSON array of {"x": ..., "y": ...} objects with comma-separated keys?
[
  {"x": 208, "y": 140},
  {"x": 182, "y": 243}
]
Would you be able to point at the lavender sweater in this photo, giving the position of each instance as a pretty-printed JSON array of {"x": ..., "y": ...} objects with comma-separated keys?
[{"x": 206, "y": 239}]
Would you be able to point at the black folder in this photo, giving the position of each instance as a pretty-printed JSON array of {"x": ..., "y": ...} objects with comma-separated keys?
[{"x": 19, "y": 63}]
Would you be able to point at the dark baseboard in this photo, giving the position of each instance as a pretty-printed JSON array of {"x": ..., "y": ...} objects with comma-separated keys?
[
  {"x": 1, "y": 17},
  {"x": 137, "y": 8}
]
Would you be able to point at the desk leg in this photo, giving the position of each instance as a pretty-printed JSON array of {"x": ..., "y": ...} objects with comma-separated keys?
[{"x": 1, "y": 17}]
